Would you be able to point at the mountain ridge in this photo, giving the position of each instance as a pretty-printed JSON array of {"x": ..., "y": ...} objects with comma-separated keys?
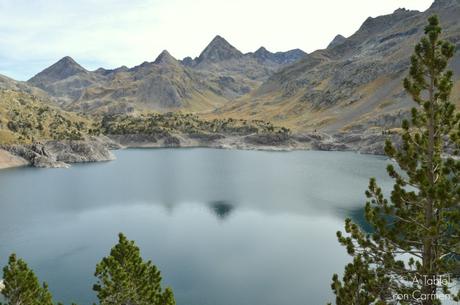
[
  {"x": 219, "y": 74},
  {"x": 63, "y": 68},
  {"x": 355, "y": 85},
  {"x": 218, "y": 49}
]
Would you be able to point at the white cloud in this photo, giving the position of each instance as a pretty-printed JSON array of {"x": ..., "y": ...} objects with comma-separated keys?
[{"x": 111, "y": 33}]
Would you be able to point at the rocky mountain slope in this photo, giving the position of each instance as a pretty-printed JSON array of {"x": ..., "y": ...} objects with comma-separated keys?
[
  {"x": 235, "y": 73},
  {"x": 356, "y": 83},
  {"x": 219, "y": 74}
]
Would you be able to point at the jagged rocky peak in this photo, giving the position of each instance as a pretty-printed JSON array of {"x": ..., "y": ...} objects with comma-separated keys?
[
  {"x": 165, "y": 58},
  {"x": 281, "y": 58},
  {"x": 62, "y": 69},
  {"x": 219, "y": 49},
  {"x": 401, "y": 11},
  {"x": 439, "y": 4},
  {"x": 188, "y": 61},
  {"x": 262, "y": 50},
  {"x": 67, "y": 60},
  {"x": 290, "y": 56},
  {"x": 144, "y": 65},
  {"x": 104, "y": 71},
  {"x": 338, "y": 40},
  {"x": 262, "y": 53},
  {"x": 382, "y": 23}
]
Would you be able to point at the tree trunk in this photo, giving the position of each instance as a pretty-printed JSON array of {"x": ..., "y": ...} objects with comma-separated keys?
[{"x": 428, "y": 289}]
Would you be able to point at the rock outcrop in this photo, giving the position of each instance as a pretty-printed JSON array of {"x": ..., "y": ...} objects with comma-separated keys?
[{"x": 58, "y": 154}]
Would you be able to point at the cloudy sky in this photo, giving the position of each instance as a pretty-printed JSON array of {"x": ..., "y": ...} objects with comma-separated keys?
[{"x": 111, "y": 33}]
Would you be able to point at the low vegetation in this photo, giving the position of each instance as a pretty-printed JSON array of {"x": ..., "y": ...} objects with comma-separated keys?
[
  {"x": 25, "y": 118},
  {"x": 155, "y": 123}
]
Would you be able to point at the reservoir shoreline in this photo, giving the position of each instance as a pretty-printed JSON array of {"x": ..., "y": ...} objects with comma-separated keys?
[{"x": 60, "y": 154}]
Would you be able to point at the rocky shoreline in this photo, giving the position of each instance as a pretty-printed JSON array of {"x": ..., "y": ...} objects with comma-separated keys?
[{"x": 60, "y": 154}]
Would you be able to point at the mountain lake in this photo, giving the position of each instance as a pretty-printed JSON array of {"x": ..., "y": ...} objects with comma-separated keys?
[{"x": 225, "y": 227}]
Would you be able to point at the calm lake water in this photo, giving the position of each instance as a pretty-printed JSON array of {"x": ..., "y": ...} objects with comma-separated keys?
[{"x": 224, "y": 227}]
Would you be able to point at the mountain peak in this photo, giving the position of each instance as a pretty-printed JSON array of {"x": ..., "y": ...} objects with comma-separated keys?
[
  {"x": 188, "y": 61},
  {"x": 385, "y": 22},
  {"x": 262, "y": 50},
  {"x": 68, "y": 60},
  {"x": 219, "y": 40},
  {"x": 263, "y": 54},
  {"x": 69, "y": 64},
  {"x": 281, "y": 58},
  {"x": 338, "y": 40},
  {"x": 165, "y": 58},
  {"x": 400, "y": 10},
  {"x": 439, "y": 4},
  {"x": 62, "y": 69},
  {"x": 219, "y": 49},
  {"x": 104, "y": 71}
]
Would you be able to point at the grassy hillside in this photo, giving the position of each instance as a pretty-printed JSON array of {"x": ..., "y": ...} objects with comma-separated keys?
[{"x": 25, "y": 118}]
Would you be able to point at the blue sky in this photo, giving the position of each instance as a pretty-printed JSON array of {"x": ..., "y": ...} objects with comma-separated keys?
[{"x": 110, "y": 33}]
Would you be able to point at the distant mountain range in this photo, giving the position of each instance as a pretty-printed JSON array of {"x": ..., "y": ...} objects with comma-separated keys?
[
  {"x": 221, "y": 73},
  {"x": 355, "y": 84}
]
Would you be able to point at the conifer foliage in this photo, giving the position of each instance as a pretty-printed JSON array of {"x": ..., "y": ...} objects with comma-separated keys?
[
  {"x": 125, "y": 279},
  {"x": 413, "y": 250},
  {"x": 21, "y": 286}
]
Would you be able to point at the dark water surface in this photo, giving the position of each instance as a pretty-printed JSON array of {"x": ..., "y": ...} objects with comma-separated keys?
[{"x": 225, "y": 227}]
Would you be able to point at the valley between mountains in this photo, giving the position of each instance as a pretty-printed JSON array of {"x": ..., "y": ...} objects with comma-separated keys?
[{"x": 348, "y": 96}]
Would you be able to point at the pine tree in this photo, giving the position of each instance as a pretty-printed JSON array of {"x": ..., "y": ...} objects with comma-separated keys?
[
  {"x": 21, "y": 286},
  {"x": 167, "y": 298},
  {"x": 125, "y": 279},
  {"x": 413, "y": 248}
]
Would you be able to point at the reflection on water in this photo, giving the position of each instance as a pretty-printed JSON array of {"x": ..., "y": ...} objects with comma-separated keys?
[
  {"x": 221, "y": 208},
  {"x": 278, "y": 244}
]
